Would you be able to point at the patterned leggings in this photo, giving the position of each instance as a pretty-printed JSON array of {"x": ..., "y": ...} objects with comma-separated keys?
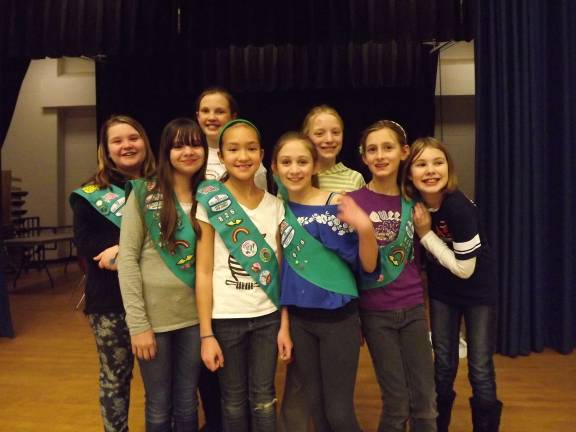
[{"x": 116, "y": 362}]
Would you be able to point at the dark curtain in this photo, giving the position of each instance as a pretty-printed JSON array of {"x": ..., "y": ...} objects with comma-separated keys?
[
  {"x": 526, "y": 133},
  {"x": 55, "y": 28},
  {"x": 12, "y": 72},
  {"x": 155, "y": 90}
]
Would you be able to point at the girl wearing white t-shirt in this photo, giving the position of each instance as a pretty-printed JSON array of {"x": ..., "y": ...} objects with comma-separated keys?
[{"x": 241, "y": 328}]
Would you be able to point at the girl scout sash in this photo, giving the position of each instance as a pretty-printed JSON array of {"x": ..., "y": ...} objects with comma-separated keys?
[
  {"x": 395, "y": 255},
  {"x": 108, "y": 201},
  {"x": 243, "y": 240},
  {"x": 309, "y": 258},
  {"x": 181, "y": 261}
]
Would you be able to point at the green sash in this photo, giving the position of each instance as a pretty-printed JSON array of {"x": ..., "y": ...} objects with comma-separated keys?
[
  {"x": 182, "y": 261},
  {"x": 310, "y": 259},
  {"x": 109, "y": 201},
  {"x": 245, "y": 243},
  {"x": 395, "y": 255}
]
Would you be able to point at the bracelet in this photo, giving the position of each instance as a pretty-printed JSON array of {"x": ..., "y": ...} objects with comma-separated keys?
[{"x": 207, "y": 336}]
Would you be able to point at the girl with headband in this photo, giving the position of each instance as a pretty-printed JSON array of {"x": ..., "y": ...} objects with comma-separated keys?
[
  {"x": 241, "y": 327},
  {"x": 392, "y": 308}
]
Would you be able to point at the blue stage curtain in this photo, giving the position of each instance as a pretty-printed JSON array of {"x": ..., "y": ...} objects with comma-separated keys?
[{"x": 525, "y": 152}]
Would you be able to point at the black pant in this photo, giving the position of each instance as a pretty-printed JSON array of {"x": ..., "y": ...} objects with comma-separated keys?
[{"x": 326, "y": 359}]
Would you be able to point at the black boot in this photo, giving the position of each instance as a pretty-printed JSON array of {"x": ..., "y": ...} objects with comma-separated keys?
[
  {"x": 444, "y": 406},
  {"x": 485, "y": 415}
]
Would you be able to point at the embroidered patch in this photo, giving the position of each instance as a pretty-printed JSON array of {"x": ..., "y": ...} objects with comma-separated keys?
[
  {"x": 237, "y": 231},
  {"x": 221, "y": 205},
  {"x": 182, "y": 243},
  {"x": 234, "y": 222},
  {"x": 118, "y": 204},
  {"x": 90, "y": 189},
  {"x": 208, "y": 189},
  {"x": 186, "y": 262},
  {"x": 265, "y": 254},
  {"x": 110, "y": 196},
  {"x": 287, "y": 235},
  {"x": 397, "y": 256},
  {"x": 102, "y": 207},
  {"x": 265, "y": 278},
  {"x": 249, "y": 248},
  {"x": 256, "y": 267}
]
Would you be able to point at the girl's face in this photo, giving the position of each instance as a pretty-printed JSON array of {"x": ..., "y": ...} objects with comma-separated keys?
[
  {"x": 213, "y": 113},
  {"x": 241, "y": 153},
  {"x": 326, "y": 134},
  {"x": 187, "y": 159},
  {"x": 383, "y": 153},
  {"x": 295, "y": 166},
  {"x": 429, "y": 171},
  {"x": 126, "y": 147}
]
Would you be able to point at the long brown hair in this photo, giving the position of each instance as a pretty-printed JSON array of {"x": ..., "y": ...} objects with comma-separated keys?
[
  {"x": 183, "y": 131},
  {"x": 107, "y": 169}
]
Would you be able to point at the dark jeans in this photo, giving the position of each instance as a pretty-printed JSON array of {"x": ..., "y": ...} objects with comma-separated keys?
[
  {"x": 402, "y": 356},
  {"x": 171, "y": 381},
  {"x": 250, "y": 351},
  {"x": 480, "y": 323},
  {"x": 116, "y": 363},
  {"x": 326, "y": 361}
]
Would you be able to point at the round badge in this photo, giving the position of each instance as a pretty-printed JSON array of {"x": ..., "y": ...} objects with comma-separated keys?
[
  {"x": 265, "y": 278},
  {"x": 102, "y": 207},
  {"x": 265, "y": 254},
  {"x": 256, "y": 267},
  {"x": 90, "y": 189},
  {"x": 249, "y": 248}
]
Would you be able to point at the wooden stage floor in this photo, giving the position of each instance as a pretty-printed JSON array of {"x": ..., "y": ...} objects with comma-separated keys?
[{"x": 49, "y": 374}]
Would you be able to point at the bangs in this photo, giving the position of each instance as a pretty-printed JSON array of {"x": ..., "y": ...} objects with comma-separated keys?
[{"x": 187, "y": 137}]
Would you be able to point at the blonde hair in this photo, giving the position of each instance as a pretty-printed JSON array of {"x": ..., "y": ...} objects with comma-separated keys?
[
  {"x": 314, "y": 112},
  {"x": 416, "y": 149},
  {"x": 106, "y": 167}
]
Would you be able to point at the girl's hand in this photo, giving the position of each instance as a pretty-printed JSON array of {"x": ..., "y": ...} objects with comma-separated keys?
[
  {"x": 422, "y": 220},
  {"x": 285, "y": 345},
  {"x": 107, "y": 258},
  {"x": 352, "y": 214},
  {"x": 144, "y": 345},
  {"x": 212, "y": 353}
]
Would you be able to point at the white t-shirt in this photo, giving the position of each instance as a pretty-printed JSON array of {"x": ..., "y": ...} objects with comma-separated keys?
[
  {"x": 234, "y": 292},
  {"x": 215, "y": 169}
]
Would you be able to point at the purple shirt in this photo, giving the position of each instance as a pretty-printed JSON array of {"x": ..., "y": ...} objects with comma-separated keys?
[{"x": 406, "y": 291}]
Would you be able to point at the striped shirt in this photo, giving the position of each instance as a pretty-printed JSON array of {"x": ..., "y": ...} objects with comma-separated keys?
[{"x": 340, "y": 179}]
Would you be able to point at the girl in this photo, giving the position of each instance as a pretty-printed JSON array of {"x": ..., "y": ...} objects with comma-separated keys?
[
  {"x": 318, "y": 286},
  {"x": 392, "y": 309},
  {"x": 123, "y": 153},
  {"x": 238, "y": 288},
  {"x": 459, "y": 279},
  {"x": 214, "y": 108},
  {"x": 156, "y": 270},
  {"x": 325, "y": 128}
]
